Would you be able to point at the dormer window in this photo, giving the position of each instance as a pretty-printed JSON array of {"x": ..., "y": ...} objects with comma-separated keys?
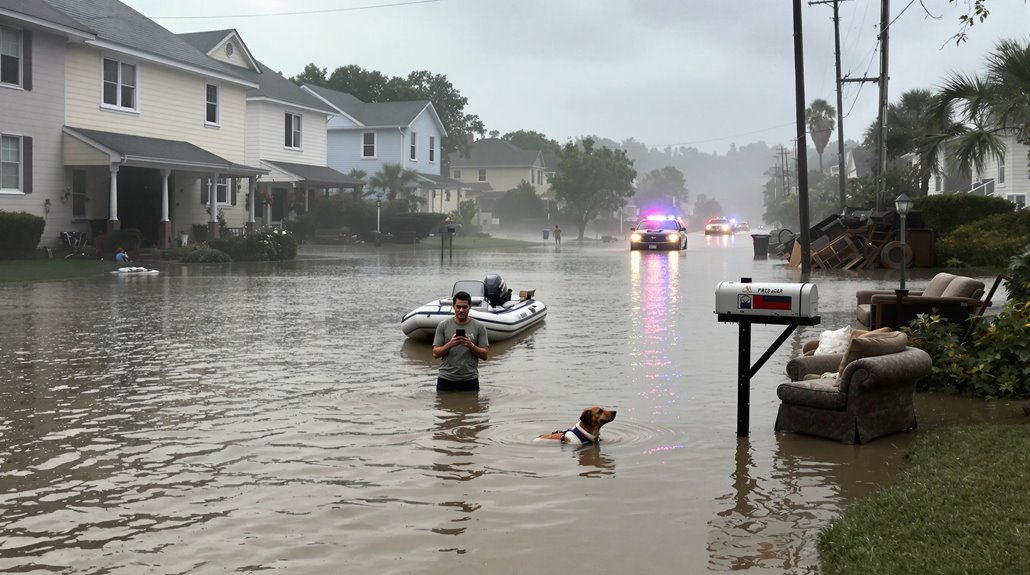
[{"x": 229, "y": 49}]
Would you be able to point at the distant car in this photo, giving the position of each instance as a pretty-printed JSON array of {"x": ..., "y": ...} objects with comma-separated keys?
[
  {"x": 718, "y": 226},
  {"x": 741, "y": 226},
  {"x": 659, "y": 232}
]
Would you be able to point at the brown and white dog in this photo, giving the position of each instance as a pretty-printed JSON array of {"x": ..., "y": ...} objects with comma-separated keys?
[{"x": 587, "y": 430}]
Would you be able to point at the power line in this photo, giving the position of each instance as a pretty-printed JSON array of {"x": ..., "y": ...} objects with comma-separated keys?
[{"x": 296, "y": 13}]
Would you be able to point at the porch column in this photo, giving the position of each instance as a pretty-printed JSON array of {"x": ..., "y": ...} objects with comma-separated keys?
[
  {"x": 112, "y": 217},
  {"x": 212, "y": 207},
  {"x": 164, "y": 229},
  {"x": 307, "y": 200},
  {"x": 250, "y": 204}
]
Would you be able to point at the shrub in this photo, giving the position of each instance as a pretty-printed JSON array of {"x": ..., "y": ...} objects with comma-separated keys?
[
  {"x": 20, "y": 233},
  {"x": 422, "y": 224},
  {"x": 128, "y": 239},
  {"x": 1018, "y": 285},
  {"x": 266, "y": 244},
  {"x": 199, "y": 233},
  {"x": 945, "y": 212},
  {"x": 206, "y": 256},
  {"x": 987, "y": 242}
]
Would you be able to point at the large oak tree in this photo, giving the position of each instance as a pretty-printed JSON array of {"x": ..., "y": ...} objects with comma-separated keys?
[{"x": 590, "y": 181}]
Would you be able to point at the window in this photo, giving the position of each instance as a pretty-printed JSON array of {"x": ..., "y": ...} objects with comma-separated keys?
[
  {"x": 411, "y": 153},
  {"x": 1018, "y": 199},
  {"x": 212, "y": 104},
  {"x": 10, "y": 56},
  {"x": 225, "y": 192},
  {"x": 457, "y": 174},
  {"x": 368, "y": 145},
  {"x": 937, "y": 183},
  {"x": 1001, "y": 170},
  {"x": 292, "y": 130},
  {"x": 482, "y": 174},
  {"x": 447, "y": 195},
  {"x": 10, "y": 163},
  {"x": 119, "y": 84},
  {"x": 540, "y": 176},
  {"x": 432, "y": 148}
]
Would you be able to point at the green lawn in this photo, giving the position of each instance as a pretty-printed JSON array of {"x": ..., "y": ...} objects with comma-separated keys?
[
  {"x": 39, "y": 270},
  {"x": 962, "y": 506}
]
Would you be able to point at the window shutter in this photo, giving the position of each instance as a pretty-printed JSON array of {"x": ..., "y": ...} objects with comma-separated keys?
[
  {"x": 26, "y": 60},
  {"x": 203, "y": 192},
  {"x": 26, "y": 164},
  {"x": 232, "y": 191}
]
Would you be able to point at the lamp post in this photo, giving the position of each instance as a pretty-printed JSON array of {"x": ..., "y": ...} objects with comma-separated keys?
[
  {"x": 903, "y": 204},
  {"x": 379, "y": 204}
]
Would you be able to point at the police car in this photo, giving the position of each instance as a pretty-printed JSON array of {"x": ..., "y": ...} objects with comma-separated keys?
[{"x": 659, "y": 232}]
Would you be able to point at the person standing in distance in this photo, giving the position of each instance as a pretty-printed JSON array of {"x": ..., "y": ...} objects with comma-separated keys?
[
  {"x": 557, "y": 235},
  {"x": 460, "y": 343}
]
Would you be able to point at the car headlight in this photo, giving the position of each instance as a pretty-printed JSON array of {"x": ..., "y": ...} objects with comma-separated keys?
[
  {"x": 635, "y": 238},
  {"x": 672, "y": 237}
]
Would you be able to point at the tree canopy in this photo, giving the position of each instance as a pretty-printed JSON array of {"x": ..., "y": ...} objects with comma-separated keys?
[
  {"x": 373, "y": 86},
  {"x": 663, "y": 189},
  {"x": 521, "y": 203},
  {"x": 590, "y": 181},
  {"x": 820, "y": 119}
]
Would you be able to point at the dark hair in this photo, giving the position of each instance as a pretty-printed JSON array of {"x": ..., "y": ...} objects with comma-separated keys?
[{"x": 464, "y": 296}]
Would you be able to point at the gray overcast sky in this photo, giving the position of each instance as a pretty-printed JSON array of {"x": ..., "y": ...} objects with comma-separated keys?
[{"x": 664, "y": 72}]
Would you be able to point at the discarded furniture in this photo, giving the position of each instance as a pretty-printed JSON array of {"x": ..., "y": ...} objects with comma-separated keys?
[
  {"x": 950, "y": 296},
  {"x": 870, "y": 395}
]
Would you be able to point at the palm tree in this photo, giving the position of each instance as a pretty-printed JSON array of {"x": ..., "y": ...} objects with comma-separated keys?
[
  {"x": 906, "y": 125},
  {"x": 357, "y": 174},
  {"x": 972, "y": 114},
  {"x": 820, "y": 120},
  {"x": 394, "y": 181}
]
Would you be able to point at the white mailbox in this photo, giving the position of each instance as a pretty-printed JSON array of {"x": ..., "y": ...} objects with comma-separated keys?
[{"x": 755, "y": 301}]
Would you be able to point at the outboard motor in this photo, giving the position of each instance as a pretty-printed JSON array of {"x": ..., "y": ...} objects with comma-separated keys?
[{"x": 497, "y": 292}]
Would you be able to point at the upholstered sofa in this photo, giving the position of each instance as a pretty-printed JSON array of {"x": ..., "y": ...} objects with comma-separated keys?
[
  {"x": 950, "y": 296},
  {"x": 870, "y": 396}
]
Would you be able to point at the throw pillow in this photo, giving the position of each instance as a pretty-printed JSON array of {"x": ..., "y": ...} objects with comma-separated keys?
[
  {"x": 873, "y": 344},
  {"x": 834, "y": 341}
]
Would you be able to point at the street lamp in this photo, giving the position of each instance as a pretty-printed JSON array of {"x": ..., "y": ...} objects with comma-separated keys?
[
  {"x": 379, "y": 204},
  {"x": 903, "y": 204}
]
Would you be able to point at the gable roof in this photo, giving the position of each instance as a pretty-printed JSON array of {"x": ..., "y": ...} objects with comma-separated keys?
[
  {"x": 45, "y": 16},
  {"x": 496, "y": 153},
  {"x": 376, "y": 114},
  {"x": 270, "y": 85},
  {"x": 121, "y": 29}
]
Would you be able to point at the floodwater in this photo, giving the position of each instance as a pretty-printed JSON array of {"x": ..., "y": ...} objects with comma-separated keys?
[{"x": 272, "y": 417}]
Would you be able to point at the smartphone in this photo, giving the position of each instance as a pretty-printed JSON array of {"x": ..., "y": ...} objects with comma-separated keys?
[{"x": 460, "y": 332}]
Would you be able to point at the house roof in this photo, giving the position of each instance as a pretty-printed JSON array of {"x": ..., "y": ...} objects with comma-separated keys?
[
  {"x": 376, "y": 114},
  {"x": 43, "y": 15},
  {"x": 317, "y": 175},
  {"x": 157, "y": 153},
  {"x": 119, "y": 27},
  {"x": 441, "y": 181},
  {"x": 495, "y": 153},
  {"x": 270, "y": 84}
]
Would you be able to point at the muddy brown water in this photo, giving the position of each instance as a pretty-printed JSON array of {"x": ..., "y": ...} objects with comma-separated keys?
[{"x": 272, "y": 417}]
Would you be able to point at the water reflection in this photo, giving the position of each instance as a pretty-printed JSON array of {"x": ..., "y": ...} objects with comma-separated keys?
[
  {"x": 656, "y": 328},
  {"x": 460, "y": 419},
  {"x": 592, "y": 456}
]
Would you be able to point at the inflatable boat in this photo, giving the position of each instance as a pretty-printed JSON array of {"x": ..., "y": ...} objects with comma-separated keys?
[
  {"x": 492, "y": 305},
  {"x": 134, "y": 270}
]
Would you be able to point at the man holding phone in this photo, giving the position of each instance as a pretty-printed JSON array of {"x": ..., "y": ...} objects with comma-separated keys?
[{"x": 460, "y": 343}]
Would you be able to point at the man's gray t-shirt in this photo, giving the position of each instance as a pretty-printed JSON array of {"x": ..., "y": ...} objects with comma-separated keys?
[{"x": 459, "y": 363}]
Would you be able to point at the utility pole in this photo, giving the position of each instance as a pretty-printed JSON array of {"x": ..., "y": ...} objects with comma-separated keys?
[
  {"x": 802, "y": 141},
  {"x": 885, "y": 15},
  {"x": 842, "y": 185}
]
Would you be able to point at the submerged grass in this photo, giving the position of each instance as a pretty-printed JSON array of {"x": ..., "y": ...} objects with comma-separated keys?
[{"x": 962, "y": 506}]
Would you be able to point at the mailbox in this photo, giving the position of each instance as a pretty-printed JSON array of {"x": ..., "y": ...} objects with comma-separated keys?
[{"x": 752, "y": 302}]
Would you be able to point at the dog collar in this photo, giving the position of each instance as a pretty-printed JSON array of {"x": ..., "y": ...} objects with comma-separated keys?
[{"x": 583, "y": 436}]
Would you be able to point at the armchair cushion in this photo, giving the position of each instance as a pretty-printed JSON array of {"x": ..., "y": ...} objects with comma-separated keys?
[
  {"x": 939, "y": 284},
  {"x": 964, "y": 287},
  {"x": 818, "y": 393},
  {"x": 871, "y": 345}
]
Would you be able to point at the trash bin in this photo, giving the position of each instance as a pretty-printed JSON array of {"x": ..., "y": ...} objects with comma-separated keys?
[
  {"x": 547, "y": 234},
  {"x": 761, "y": 245}
]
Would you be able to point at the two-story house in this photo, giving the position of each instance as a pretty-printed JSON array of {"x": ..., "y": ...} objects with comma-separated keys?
[
  {"x": 285, "y": 133},
  {"x": 500, "y": 164},
  {"x": 153, "y": 129},
  {"x": 367, "y": 135},
  {"x": 1007, "y": 177},
  {"x": 33, "y": 42}
]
